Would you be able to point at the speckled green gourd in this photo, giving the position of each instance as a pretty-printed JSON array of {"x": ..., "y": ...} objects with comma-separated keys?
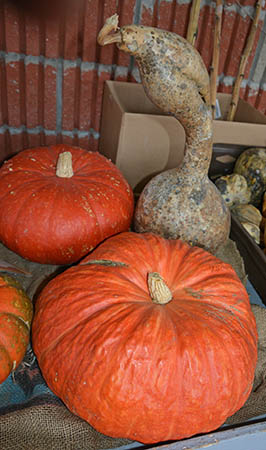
[
  {"x": 234, "y": 189},
  {"x": 252, "y": 165}
]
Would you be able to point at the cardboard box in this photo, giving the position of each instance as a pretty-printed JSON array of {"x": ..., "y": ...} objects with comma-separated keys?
[{"x": 142, "y": 141}]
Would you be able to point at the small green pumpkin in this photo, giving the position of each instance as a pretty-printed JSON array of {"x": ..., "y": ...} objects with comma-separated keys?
[
  {"x": 248, "y": 213},
  {"x": 233, "y": 189},
  {"x": 252, "y": 165}
]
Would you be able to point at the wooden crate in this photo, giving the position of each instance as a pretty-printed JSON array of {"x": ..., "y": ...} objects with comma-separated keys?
[{"x": 222, "y": 163}]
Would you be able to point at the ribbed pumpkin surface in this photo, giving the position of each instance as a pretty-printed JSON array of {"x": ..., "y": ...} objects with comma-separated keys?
[
  {"x": 49, "y": 219},
  {"x": 136, "y": 369},
  {"x": 15, "y": 321}
]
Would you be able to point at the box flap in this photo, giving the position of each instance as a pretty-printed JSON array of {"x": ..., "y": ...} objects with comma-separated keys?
[
  {"x": 239, "y": 133},
  {"x": 148, "y": 144},
  {"x": 132, "y": 98}
]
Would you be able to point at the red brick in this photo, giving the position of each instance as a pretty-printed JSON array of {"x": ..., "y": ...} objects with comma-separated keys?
[
  {"x": 15, "y": 88},
  {"x": 125, "y": 11},
  {"x": 256, "y": 40},
  {"x": 250, "y": 95},
  {"x": 248, "y": 3},
  {"x": 120, "y": 76},
  {"x": 131, "y": 78},
  {"x": 123, "y": 59},
  {"x": 68, "y": 140},
  {"x": 34, "y": 29},
  {"x": 97, "y": 100},
  {"x": 108, "y": 54},
  {"x": 225, "y": 89},
  {"x": 12, "y": 37},
  {"x": 181, "y": 19},
  {"x": 54, "y": 39},
  {"x": 94, "y": 21},
  {"x": 88, "y": 85},
  {"x": 18, "y": 142},
  {"x": 204, "y": 42},
  {"x": 13, "y": 93},
  {"x": 2, "y": 30},
  {"x": 166, "y": 15},
  {"x": 227, "y": 41},
  {"x": 234, "y": 35},
  {"x": 148, "y": 16},
  {"x": 2, "y": 121},
  {"x": 3, "y": 94},
  {"x": 71, "y": 33},
  {"x": 34, "y": 140},
  {"x": 261, "y": 101},
  {"x": 70, "y": 97},
  {"x": 83, "y": 142},
  {"x": 32, "y": 95},
  {"x": 93, "y": 144},
  {"x": 5, "y": 147},
  {"x": 242, "y": 92},
  {"x": 91, "y": 27},
  {"x": 49, "y": 121},
  {"x": 49, "y": 140}
]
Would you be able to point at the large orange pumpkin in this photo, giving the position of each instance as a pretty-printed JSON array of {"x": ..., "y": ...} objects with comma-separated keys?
[
  {"x": 15, "y": 321},
  {"x": 57, "y": 203},
  {"x": 147, "y": 338}
]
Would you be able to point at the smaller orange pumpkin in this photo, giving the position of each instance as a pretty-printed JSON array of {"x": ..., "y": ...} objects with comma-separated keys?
[{"x": 15, "y": 320}]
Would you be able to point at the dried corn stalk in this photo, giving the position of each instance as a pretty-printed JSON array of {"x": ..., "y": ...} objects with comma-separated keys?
[
  {"x": 192, "y": 30},
  {"x": 216, "y": 53},
  {"x": 243, "y": 62}
]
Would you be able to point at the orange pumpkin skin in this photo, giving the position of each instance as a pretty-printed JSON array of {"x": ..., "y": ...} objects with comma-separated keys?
[
  {"x": 136, "y": 369},
  {"x": 15, "y": 321},
  {"x": 53, "y": 220}
]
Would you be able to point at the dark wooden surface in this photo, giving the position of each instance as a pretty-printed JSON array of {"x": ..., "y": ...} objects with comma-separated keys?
[
  {"x": 223, "y": 161},
  {"x": 254, "y": 258}
]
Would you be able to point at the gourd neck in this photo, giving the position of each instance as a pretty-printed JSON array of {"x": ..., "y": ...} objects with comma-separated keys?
[
  {"x": 175, "y": 79},
  {"x": 189, "y": 108},
  {"x": 198, "y": 145}
]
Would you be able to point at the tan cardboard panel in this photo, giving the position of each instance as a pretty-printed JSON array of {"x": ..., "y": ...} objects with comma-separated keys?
[{"x": 142, "y": 141}]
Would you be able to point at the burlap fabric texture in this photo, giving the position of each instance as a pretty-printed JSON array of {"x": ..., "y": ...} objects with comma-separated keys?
[
  {"x": 256, "y": 403},
  {"x": 33, "y": 418}
]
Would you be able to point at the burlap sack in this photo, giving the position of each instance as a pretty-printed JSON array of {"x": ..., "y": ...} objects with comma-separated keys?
[
  {"x": 50, "y": 427},
  {"x": 31, "y": 416},
  {"x": 256, "y": 403}
]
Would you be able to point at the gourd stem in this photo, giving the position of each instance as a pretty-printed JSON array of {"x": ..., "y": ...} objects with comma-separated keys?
[
  {"x": 64, "y": 167},
  {"x": 109, "y": 34},
  {"x": 158, "y": 290}
]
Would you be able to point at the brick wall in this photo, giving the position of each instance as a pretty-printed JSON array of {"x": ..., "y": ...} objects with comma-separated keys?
[{"x": 52, "y": 72}]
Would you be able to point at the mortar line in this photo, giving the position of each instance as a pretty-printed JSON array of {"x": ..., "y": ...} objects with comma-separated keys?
[
  {"x": 85, "y": 66},
  {"x": 59, "y": 93},
  {"x": 40, "y": 129},
  {"x": 137, "y": 12}
]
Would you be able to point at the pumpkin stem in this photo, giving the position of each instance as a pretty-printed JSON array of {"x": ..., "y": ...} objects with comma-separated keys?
[
  {"x": 159, "y": 291},
  {"x": 64, "y": 167}
]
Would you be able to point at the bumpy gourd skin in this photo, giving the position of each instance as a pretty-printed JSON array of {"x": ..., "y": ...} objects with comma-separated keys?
[{"x": 182, "y": 202}]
